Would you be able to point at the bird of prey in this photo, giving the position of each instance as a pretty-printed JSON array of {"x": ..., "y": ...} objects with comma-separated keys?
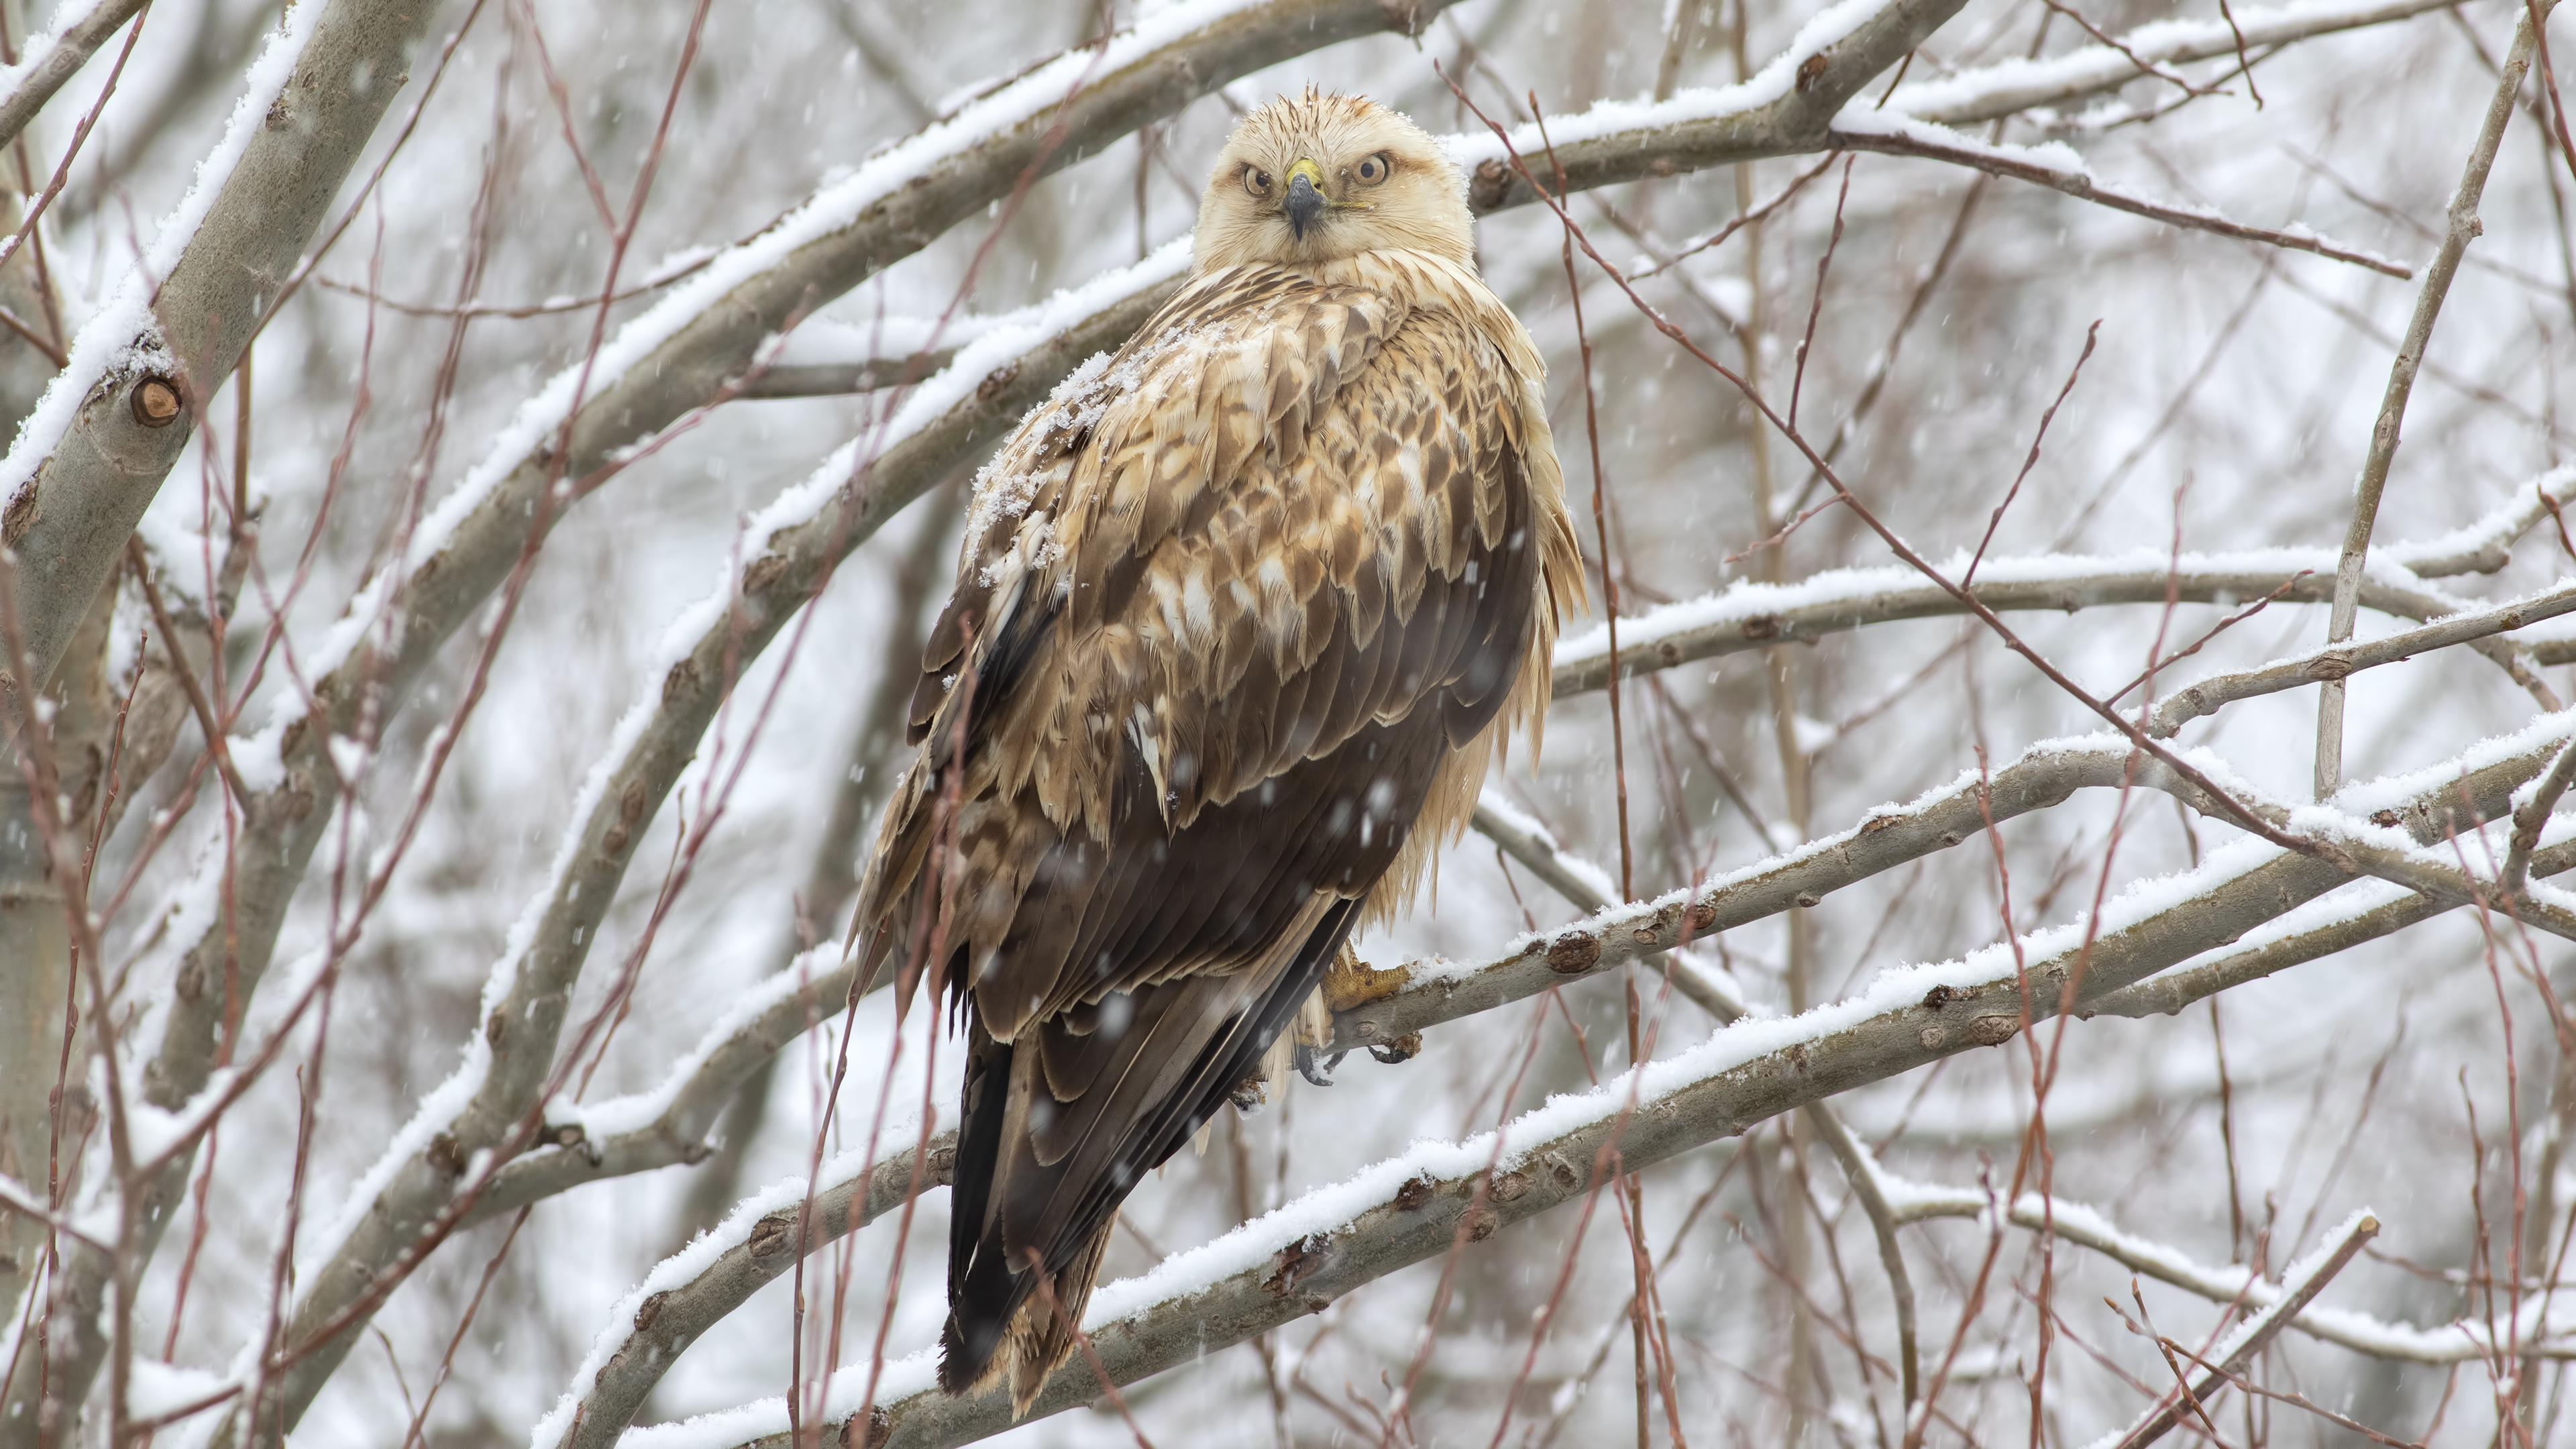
[{"x": 1242, "y": 614}]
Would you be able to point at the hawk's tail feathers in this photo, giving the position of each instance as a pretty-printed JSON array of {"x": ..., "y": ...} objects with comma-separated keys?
[{"x": 976, "y": 1352}]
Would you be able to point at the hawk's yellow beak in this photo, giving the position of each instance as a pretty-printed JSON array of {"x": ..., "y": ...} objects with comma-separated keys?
[{"x": 1304, "y": 202}]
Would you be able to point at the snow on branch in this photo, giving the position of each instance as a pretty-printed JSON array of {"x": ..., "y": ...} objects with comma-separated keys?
[
  {"x": 696, "y": 1288},
  {"x": 1782, "y": 109},
  {"x": 2336, "y": 922},
  {"x": 1790, "y": 105},
  {"x": 2463, "y": 1341},
  {"x": 1990, "y": 92},
  {"x": 51, "y": 60},
  {"x": 667, "y": 1124},
  {"x": 1426, "y": 993},
  {"x": 2210, "y": 695},
  {"x": 2486, "y": 545},
  {"x": 1443, "y": 1195},
  {"x": 420, "y": 1188},
  {"x": 1754, "y": 615},
  {"x": 87, "y": 461}
]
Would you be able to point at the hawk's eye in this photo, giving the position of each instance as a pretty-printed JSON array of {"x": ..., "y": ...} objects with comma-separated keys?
[
  {"x": 1374, "y": 169},
  {"x": 1256, "y": 181}
]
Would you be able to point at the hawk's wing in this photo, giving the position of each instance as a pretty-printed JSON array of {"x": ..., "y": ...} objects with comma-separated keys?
[{"x": 1234, "y": 610}]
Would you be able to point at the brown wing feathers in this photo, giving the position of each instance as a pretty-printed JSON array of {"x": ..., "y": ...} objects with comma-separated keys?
[{"x": 1246, "y": 596}]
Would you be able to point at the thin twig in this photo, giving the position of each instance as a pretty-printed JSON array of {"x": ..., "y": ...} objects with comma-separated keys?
[
  {"x": 1994, "y": 161},
  {"x": 216, "y": 739},
  {"x": 2532, "y": 816},
  {"x": 2334, "y": 663},
  {"x": 2464, "y": 227},
  {"x": 2262, "y": 1328}
]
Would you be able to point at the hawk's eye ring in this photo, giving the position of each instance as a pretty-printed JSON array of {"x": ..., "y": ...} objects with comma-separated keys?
[
  {"x": 1375, "y": 169},
  {"x": 1256, "y": 181}
]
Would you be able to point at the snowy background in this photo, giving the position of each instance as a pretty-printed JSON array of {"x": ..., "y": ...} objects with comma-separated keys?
[{"x": 2225, "y": 410}]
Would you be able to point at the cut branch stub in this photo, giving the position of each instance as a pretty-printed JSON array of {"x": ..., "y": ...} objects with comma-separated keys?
[{"x": 93, "y": 479}]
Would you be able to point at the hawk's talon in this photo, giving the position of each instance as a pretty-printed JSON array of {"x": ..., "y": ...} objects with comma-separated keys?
[
  {"x": 1305, "y": 1059},
  {"x": 1403, "y": 1049}
]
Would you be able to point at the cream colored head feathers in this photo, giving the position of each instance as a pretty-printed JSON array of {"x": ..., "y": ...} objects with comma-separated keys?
[{"x": 1321, "y": 177}]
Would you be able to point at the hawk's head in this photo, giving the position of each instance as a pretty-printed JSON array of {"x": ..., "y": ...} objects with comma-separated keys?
[{"x": 1320, "y": 176}]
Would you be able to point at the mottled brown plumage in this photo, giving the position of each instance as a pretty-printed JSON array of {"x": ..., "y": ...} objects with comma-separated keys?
[{"x": 1242, "y": 615}]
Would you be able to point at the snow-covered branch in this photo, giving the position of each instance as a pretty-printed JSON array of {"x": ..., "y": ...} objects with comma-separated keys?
[
  {"x": 93, "y": 454},
  {"x": 1754, "y": 615},
  {"x": 51, "y": 60},
  {"x": 2234, "y": 890},
  {"x": 489, "y": 1104},
  {"x": 90, "y": 458},
  {"x": 2463, "y": 1341},
  {"x": 2010, "y": 87},
  {"x": 2211, "y": 695},
  {"x": 695, "y": 1289},
  {"x": 1782, "y": 109},
  {"x": 1446, "y": 1195},
  {"x": 668, "y": 1123}
]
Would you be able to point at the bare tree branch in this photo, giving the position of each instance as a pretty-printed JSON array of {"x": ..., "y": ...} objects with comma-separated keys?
[
  {"x": 786, "y": 564},
  {"x": 94, "y": 453},
  {"x": 2336, "y": 662},
  {"x": 39, "y": 74},
  {"x": 1280, "y": 1267},
  {"x": 2464, "y": 227},
  {"x": 2061, "y": 170},
  {"x": 1757, "y": 616},
  {"x": 2462, "y": 1341},
  {"x": 2011, "y": 87}
]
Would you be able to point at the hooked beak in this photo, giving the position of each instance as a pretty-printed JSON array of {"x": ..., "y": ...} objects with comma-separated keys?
[{"x": 1305, "y": 200}]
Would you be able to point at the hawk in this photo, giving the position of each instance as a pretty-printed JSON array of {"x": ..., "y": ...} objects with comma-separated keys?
[{"x": 1242, "y": 613}]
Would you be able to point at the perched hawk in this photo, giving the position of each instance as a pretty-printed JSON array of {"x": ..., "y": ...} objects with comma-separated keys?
[{"x": 1243, "y": 612}]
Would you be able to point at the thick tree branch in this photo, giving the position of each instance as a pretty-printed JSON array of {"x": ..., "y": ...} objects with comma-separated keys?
[
  {"x": 1426, "y": 994},
  {"x": 790, "y": 556},
  {"x": 693, "y": 1291},
  {"x": 1784, "y": 109},
  {"x": 1406, "y": 1210},
  {"x": 91, "y": 457},
  {"x": 2010, "y": 87}
]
